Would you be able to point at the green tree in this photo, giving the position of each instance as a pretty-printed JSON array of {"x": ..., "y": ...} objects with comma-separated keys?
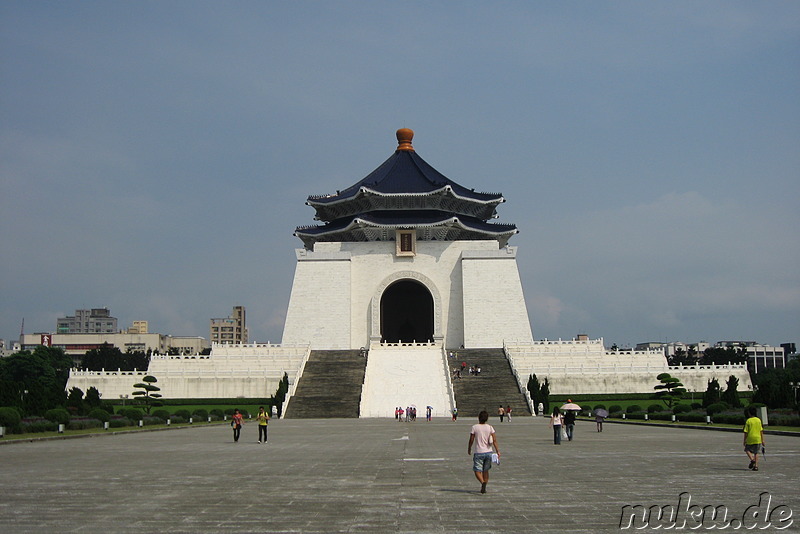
[
  {"x": 731, "y": 395},
  {"x": 75, "y": 401},
  {"x": 92, "y": 398},
  {"x": 712, "y": 395},
  {"x": 147, "y": 393},
  {"x": 670, "y": 390},
  {"x": 109, "y": 357},
  {"x": 280, "y": 394},
  {"x": 35, "y": 381},
  {"x": 724, "y": 355},
  {"x": 545, "y": 394}
]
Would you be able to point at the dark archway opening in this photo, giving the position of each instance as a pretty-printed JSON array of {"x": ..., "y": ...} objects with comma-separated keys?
[{"x": 406, "y": 313}]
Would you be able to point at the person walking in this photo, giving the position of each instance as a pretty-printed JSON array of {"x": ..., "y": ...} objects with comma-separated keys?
[
  {"x": 263, "y": 421},
  {"x": 753, "y": 437},
  {"x": 556, "y": 422},
  {"x": 236, "y": 424},
  {"x": 508, "y": 413},
  {"x": 569, "y": 423},
  {"x": 501, "y": 412},
  {"x": 598, "y": 419},
  {"x": 484, "y": 438},
  {"x": 455, "y": 414}
]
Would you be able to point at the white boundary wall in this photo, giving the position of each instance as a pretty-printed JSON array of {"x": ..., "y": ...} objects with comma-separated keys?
[
  {"x": 230, "y": 371},
  {"x": 581, "y": 367}
]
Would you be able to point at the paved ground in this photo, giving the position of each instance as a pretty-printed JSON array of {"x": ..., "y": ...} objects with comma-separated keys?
[{"x": 381, "y": 476}]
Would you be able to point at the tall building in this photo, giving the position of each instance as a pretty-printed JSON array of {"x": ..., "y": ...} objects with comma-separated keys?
[
  {"x": 94, "y": 321},
  {"x": 230, "y": 330}
]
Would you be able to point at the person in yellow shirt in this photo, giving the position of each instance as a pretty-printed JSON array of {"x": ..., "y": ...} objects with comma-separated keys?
[
  {"x": 753, "y": 437},
  {"x": 263, "y": 421}
]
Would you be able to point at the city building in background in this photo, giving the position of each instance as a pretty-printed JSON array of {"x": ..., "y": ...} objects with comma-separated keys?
[
  {"x": 79, "y": 344},
  {"x": 93, "y": 321},
  {"x": 230, "y": 330}
]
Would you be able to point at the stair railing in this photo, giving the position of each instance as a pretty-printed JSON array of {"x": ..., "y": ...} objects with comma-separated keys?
[{"x": 450, "y": 392}]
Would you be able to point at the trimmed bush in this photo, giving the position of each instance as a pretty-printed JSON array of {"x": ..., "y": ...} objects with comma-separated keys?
[
  {"x": 183, "y": 414},
  {"x": 200, "y": 414},
  {"x": 216, "y": 412},
  {"x": 633, "y": 408},
  {"x": 149, "y": 420},
  {"x": 697, "y": 406},
  {"x": 177, "y": 419},
  {"x": 37, "y": 424},
  {"x": 717, "y": 407},
  {"x": 118, "y": 422},
  {"x": 636, "y": 415},
  {"x": 10, "y": 418},
  {"x": 693, "y": 417},
  {"x": 134, "y": 414},
  {"x": 660, "y": 416},
  {"x": 653, "y": 408},
  {"x": 681, "y": 408},
  {"x": 729, "y": 418},
  {"x": 99, "y": 414},
  {"x": 615, "y": 408},
  {"x": 784, "y": 420},
  {"x": 57, "y": 415},
  {"x": 161, "y": 414},
  {"x": 603, "y": 407},
  {"x": 82, "y": 423}
]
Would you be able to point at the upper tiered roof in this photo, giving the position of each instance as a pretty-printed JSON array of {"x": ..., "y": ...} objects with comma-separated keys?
[{"x": 405, "y": 192}]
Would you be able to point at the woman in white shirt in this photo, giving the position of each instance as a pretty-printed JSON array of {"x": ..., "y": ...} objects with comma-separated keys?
[{"x": 556, "y": 420}]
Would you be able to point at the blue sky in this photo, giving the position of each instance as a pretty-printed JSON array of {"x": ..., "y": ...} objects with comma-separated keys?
[{"x": 156, "y": 156}]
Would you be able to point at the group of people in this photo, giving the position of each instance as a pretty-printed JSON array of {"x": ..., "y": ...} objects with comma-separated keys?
[
  {"x": 237, "y": 420},
  {"x": 473, "y": 370},
  {"x": 410, "y": 413},
  {"x": 504, "y": 413}
]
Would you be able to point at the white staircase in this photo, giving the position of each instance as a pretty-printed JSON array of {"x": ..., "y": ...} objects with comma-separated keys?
[{"x": 405, "y": 375}]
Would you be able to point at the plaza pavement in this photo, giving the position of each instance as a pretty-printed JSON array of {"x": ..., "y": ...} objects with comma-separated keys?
[{"x": 379, "y": 476}]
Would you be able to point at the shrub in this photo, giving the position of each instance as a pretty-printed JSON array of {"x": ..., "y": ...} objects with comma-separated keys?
[
  {"x": 183, "y": 414},
  {"x": 633, "y": 408},
  {"x": 681, "y": 408},
  {"x": 134, "y": 414},
  {"x": 200, "y": 414},
  {"x": 37, "y": 424},
  {"x": 729, "y": 418},
  {"x": 229, "y": 411},
  {"x": 693, "y": 417},
  {"x": 784, "y": 420},
  {"x": 603, "y": 407},
  {"x": 697, "y": 406},
  {"x": 177, "y": 419},
  {"x": 57, "y": 415},
  {"x": 717, "y": 407},
  {"x": 161, "y": 414},
  {"x": 661, "y": 416},
  {"x": 10, "y": 418},
  {"x": 654, "y": 408},
  {"x": 82, "y": 423},
  {"x": 615, "y": 408},
  {"x": 152, "y": 420},
  {"x": 216, "y": 412},
  {"x": 99, "y": 414},
  {"x": 118, "y": 422},
  {"x": 636, "y": 415}
]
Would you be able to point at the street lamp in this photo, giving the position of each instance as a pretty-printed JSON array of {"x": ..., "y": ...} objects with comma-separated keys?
[{"x": 795, "y": 385}]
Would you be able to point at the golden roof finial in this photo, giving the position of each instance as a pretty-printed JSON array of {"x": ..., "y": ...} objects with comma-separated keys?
[{"x": 404, "y": 137}]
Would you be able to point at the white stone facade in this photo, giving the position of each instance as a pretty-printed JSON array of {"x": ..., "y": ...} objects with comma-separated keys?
[{"x": 476, "y": 291}]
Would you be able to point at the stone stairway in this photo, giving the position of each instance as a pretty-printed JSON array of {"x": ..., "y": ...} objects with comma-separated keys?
[
  {"x": 495, "y": 385},
  {"x": 330, "y": 386}
]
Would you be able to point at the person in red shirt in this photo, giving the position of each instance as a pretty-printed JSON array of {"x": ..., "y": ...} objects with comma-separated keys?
[{"x": 236, "y": 424}]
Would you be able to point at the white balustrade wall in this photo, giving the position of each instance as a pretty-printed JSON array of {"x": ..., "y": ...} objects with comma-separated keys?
[
  {"x": 230, "y": 371},
  {"x": 586, "y": 367}
]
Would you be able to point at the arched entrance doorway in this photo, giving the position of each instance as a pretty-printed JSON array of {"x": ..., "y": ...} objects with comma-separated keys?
[{"x": 406, "y": 313}]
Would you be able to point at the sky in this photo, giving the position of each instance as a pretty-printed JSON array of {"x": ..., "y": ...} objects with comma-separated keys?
[{"x": 155, "y": 157}]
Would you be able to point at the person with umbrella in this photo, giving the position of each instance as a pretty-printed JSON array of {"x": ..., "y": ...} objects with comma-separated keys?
[
  {"x": 570, "y": 409},
  {"x": 599, "y": 416}
]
